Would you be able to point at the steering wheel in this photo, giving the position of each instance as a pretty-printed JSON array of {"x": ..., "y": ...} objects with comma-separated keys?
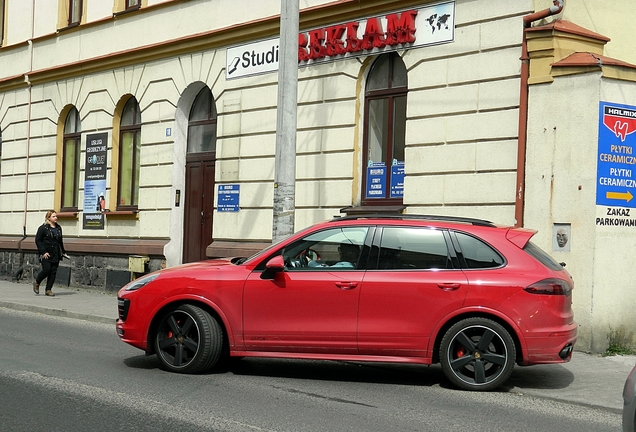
[{"x": 307, "y": 255}]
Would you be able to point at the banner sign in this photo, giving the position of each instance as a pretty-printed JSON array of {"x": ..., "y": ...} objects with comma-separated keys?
[
  {"x": 616, "y": 164},
  {"x": 409, "y": 28},
  {"x": 95, "y": 181}
]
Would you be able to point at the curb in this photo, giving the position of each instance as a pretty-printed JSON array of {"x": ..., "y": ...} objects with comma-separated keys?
[{"x": 58, "y": 312}]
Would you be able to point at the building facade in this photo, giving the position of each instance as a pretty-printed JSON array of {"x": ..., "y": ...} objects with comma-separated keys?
[{"x": 150, "y": 127}]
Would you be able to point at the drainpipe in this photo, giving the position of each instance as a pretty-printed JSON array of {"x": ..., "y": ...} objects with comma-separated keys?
[
  {"x": 523, "y": 108},
  {"x": 29, "y": 109},
  {"x": 28, "y": 146}
]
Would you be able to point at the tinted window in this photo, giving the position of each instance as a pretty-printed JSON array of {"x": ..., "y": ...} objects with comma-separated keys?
[
  {"x": 478, "y": 254},
  {"x": 332, "y": 249},
  {"x": 413, "y": 248},
  {"x": 542, "y": 256}
]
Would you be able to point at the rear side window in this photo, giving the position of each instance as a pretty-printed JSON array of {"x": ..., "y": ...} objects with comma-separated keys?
[
  {"x": 413, "y": 249},
  {"x": 477, "y": 254},
  {"x": 542, "y": 256}
]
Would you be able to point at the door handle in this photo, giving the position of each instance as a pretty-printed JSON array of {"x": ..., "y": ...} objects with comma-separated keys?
[
  {"x": 449, "y": 286},
  {"x": 202, "y": 218},
  {"x": 346, "y": 285}
]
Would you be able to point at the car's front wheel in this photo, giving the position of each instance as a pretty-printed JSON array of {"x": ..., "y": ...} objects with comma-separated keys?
[
  {"x": 188, "y": 340},
  {"x": 477, "y": 354}
]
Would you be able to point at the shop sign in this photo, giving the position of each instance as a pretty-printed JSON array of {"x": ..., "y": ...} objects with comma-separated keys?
[
  {"x": 616, "y": 165},
  {"x": 405, "y": 29}
]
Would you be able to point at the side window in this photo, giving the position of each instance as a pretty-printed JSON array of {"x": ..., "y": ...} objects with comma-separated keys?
[
  {"x": 478, "y": 254},
  {"x": 332, "y": 249},
  {"x": 129, "y": 156},
  {"x": 413, "y": 249},
  {"x": 71, "y": 161}
]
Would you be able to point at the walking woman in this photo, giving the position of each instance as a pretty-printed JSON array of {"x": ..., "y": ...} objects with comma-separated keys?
[{"x": 51, "y": 249}]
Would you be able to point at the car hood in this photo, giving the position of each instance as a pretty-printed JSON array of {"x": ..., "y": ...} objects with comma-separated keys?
[{"x": 201, "y": 265}]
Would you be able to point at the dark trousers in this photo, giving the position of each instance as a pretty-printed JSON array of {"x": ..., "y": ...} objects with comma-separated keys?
[{"x": 49, "y": 271}]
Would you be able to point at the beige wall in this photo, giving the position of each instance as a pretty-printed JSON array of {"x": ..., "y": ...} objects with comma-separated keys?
[{"x": 561, "y": 188}]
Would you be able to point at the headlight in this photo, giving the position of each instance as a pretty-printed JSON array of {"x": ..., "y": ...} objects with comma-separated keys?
[{"x": 142, "y": 281}]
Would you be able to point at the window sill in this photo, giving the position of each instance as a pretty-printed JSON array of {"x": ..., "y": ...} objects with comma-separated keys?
[
  {"x": 122, "y": 214},
  {"x": 67, "y": 215},
  {"x": 372, "y": 210},
  {"x": 68, "y": 27},
  {"x": 125, "y": 11}
]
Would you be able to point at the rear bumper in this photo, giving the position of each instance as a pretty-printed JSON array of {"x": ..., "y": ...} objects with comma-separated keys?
[{"x": 555, "y": 347}]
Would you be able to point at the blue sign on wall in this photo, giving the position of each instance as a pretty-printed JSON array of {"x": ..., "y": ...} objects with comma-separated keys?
[
  {"x": 228, "y": 199},
  {"x": 616, "y": 164},
  {"x": 376, "y": 181}
]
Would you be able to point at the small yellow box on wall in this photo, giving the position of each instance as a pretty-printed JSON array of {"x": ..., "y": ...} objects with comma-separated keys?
[{"x": 137, "y": 263}]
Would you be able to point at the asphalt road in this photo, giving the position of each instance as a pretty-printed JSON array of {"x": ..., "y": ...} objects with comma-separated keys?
[{"x": 72, "y": 375}]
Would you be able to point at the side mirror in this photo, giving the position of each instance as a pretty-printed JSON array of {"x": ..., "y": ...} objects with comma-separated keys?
[{"x": 273, "y": 266}]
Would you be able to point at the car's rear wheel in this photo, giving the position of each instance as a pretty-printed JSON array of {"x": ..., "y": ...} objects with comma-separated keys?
[
  {"x": 477, "y": 354},
  {"x": 188, "y": 340}
]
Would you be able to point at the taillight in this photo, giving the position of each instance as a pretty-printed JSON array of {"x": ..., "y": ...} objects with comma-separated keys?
[{"x": 550, "y": 287}]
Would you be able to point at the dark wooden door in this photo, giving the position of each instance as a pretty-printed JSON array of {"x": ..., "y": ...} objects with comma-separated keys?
[{"x": 199, "y": 206}]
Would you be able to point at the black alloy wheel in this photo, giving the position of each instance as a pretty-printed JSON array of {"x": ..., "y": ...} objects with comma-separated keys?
[
  {"x": 477, "y": 354},
  {"x": 188, "y": 340}
]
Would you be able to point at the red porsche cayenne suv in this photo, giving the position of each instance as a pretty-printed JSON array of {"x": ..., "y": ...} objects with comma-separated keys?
[{"x": 462, "y": 292}]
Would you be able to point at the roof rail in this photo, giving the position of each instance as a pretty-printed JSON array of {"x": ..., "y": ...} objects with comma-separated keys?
[{"x": 457, "y": 219}]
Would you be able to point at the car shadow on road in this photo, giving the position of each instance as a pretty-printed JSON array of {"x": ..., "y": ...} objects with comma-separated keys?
[
  {"x": 326, "y": 370},
  {"x": 377, "y": 373},
  {"x": 142, "y": 362},
  {"x": 540, "y": 377}
]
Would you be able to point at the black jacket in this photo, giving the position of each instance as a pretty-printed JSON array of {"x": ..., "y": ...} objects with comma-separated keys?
[{"x": 46, "y": 241}]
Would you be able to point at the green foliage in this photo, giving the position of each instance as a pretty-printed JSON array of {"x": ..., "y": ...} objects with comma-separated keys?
[{"x": 619, "y": 342}]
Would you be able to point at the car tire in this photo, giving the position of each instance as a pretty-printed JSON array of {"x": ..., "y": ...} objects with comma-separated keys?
[
  {"x": 477, "y": 354},
  {"x": 188, "y": 340}
]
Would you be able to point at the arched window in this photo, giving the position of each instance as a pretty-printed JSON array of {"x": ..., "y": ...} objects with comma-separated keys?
[
  {"x": 202, "y": 124},
  {"x": 385, "y": 130},
  {"x": 71, "y": 145},
  {"x": 129, "y": 156}
]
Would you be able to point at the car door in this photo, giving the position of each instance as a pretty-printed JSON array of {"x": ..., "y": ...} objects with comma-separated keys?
[
  {"x": 312, "y": 305},
  {"x": 416, "y": 283}
]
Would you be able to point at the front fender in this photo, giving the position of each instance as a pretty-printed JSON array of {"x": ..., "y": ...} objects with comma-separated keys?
[{"x": 169, "y": 302}]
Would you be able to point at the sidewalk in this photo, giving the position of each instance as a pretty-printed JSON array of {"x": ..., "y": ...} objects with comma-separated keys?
[
  {"x": 588, "y": 380},
  {"x": 72, "y": 303}
]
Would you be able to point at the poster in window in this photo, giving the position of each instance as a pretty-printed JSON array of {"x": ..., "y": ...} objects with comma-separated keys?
[
  {"x": 397, "y": 179},
  {"x": 95, "y": 181},
  {"x": 376, "y": 180}
]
